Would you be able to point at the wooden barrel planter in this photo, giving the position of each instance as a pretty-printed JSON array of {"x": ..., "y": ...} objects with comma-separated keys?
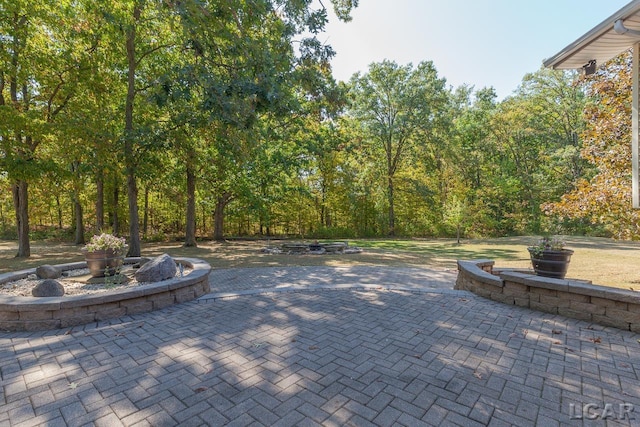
[{"x": 551, "y": 263}]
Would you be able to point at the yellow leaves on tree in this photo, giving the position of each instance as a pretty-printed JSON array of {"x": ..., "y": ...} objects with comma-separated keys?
[{"x": 606, "y": 198}]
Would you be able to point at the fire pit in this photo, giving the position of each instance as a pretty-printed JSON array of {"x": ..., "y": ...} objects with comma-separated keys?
[{"x": 314, "y": 248}]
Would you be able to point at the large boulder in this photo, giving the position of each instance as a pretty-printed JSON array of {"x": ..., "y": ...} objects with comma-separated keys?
[
  {"x": 157, "y": 269},
  {"x": 48, "y": 272},
  {"x": 48, "y": 288}
]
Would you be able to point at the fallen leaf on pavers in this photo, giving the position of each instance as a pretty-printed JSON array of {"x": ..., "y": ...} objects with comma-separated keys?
[
  {"x": 200, "y": 389},
  {"x": 418, "y": 331},
  {"x": 141, "y": 325},
  {"x": 68, "y": 332},
  {"x": 478, "y": 375},
  {"x": 571, "y": 350},
  {"x": 624, "y": 365},
  {"x": 513, "y": 335},
  {"x": 313, "y": 347},
  {"x": 417, "y": 356},
  {"x": 73, "y": 385},
  {"x": 556, "y": 332},
  {"x": 557, "y": 342},
  {"x": 524, "y": 333},
  {"x": 596, "y": 340},
  {"x": 463, "y": 299},
  {"x": 120, "y": 334}
]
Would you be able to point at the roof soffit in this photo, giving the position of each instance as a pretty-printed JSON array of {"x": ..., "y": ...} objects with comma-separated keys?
[{"x": 601, "y": 43}]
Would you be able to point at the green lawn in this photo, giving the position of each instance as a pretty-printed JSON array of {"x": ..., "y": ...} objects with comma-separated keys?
[{"x": 603, "y": 261}]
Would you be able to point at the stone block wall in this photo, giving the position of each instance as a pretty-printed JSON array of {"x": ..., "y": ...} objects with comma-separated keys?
[
  {"x": 33, "y": 314},
  {"x": 571, "y": 298}
]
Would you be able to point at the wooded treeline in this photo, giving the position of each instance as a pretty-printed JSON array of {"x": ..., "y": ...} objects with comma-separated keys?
[{"x": 194, "y": 119}]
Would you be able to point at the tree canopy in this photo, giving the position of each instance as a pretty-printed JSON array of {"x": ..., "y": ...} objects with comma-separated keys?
[{"x": 191, "y": 119}]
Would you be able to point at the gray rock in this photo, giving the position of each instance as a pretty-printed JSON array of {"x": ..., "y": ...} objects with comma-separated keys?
[
  {"x": 157, "y": 269},
  {"x": 48, "y": 272},
  {"x": 48, "y": 288}
]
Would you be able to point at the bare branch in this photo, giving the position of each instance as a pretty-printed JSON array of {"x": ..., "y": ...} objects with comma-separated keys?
[
  {"x": 150, "y": 51},
  {"x": 61, "y": 106}
]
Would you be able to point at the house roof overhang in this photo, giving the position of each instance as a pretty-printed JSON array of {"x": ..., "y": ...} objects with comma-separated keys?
[
  {"x": 602, "y": 42},
  {"x": 611, "y": 37}
]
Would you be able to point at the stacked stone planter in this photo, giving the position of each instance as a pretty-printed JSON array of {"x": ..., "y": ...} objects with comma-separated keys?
[
  {"x": 31, "y": 314},
  {"x": 571, "y": 298}
]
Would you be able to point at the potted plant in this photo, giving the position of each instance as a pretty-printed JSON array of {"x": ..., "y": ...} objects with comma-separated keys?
[
  {"x": 550, "y": 258},
  {"x": 104, "y": 254}
]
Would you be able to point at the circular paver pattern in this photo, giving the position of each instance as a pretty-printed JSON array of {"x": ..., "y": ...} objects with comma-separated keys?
[{"x": 314, "y": 356}]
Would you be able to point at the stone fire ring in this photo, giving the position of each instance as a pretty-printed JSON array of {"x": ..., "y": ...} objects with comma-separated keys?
[{"x": 36, "y": 314}]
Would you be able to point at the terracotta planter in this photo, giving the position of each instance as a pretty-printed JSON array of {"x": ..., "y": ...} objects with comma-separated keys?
[
  {"x": 104, "y": 262},
  {"x": 551, "y": 263}
]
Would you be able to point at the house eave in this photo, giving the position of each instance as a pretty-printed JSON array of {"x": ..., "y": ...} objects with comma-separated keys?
[{"x": 600, "y": 43}]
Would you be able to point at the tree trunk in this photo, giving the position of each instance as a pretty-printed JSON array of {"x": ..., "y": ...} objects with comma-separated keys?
[
  {"x": 204, "y": 220},
  {"x": 129, "y": 155},
  {"x": 100, "y": 201},
  {"x": 79, "y": 238},
  {"x": 392, "y": 215},
  {"x": 21, "y": 206},
  {"x": 218, "y": 216},
  {"x": 72, "y": 209},
  {"x": 77, "y": 206},
  {"x": 19, "y": 187},
  {"x": 134, "y": 227},
  {"x": 190, "y": 232},
  {"x": 115, "y": 221},
  {"x": 59, "y": 207},
  {"x": 145, "y": 214}
]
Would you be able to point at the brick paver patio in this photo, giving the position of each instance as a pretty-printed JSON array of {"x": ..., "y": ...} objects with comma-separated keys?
[{"x": 362, "y": 353}]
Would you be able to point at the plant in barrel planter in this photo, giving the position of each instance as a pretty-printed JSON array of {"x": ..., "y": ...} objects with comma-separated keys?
[
  {"x": 550, "y": 258},
  {"x": 104, "y": 254}
]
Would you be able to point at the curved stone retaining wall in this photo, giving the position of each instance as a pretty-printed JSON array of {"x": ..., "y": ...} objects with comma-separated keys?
[
  {"x": 33, "y": 314},
  {"x": 572, "y": 298}
]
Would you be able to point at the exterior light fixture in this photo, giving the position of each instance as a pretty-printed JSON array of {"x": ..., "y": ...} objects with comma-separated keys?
[{"x": 590, "y": 67}]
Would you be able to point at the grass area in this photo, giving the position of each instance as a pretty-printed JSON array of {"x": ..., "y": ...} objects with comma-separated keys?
[{"x": 603, "y": 261}]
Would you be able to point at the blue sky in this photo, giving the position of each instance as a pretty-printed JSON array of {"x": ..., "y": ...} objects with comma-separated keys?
[{"x": 478, "y": 42}]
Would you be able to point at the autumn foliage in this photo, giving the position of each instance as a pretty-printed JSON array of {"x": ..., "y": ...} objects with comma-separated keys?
[{"x": 605, "y": 199}]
